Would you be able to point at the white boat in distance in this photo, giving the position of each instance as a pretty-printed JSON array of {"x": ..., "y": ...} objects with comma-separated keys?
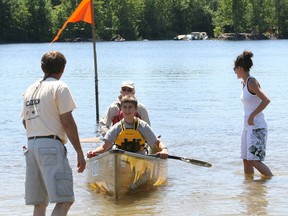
[{"x": 192, "y": 36}]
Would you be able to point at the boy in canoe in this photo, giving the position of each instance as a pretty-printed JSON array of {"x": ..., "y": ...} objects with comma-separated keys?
[{"x": 130, "y": 133}]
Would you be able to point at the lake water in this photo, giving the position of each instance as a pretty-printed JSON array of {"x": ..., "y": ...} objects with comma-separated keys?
[{"x": 193, "y": 99}]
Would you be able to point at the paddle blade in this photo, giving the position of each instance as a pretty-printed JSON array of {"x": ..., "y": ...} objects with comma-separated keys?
[
  {"x": 187, "y": 160},
  {"x": 192, "y": 161}
]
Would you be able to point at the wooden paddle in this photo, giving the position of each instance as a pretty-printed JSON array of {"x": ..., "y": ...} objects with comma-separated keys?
[
  {"x": 90, "y": 140},
  {"x": 188, "y": 160},
  {"x": 192, "y": 161}
]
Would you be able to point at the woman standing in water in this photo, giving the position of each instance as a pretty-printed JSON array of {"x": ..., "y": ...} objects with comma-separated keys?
[{"x": 254, "y": 135}]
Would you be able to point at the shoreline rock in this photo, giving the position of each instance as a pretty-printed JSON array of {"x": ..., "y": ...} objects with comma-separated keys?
[{"x": 246, "y": 36}]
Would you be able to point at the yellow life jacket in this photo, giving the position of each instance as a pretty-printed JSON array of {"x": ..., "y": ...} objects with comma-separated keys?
[{"x": 130, "y": 139}]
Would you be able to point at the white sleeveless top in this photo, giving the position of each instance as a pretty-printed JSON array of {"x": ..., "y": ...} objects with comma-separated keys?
[{"x": 251, "y": 102}]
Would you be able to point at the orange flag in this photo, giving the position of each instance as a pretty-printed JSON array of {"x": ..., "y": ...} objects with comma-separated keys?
[{"x": 82, "y": 13}]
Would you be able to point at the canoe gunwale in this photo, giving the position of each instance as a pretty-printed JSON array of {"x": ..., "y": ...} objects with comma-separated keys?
[{"x": 120, "y": 151}]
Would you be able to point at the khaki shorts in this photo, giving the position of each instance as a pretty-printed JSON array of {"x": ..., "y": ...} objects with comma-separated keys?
[
  {"x": 253, "y": 144},
  {"x": 48, "y": 173}
]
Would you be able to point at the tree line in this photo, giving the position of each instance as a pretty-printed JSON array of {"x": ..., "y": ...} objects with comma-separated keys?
[{"x": 40, "y": 20}]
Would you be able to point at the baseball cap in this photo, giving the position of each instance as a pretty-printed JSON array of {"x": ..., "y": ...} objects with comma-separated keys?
[{"x": 128, "y": 84}]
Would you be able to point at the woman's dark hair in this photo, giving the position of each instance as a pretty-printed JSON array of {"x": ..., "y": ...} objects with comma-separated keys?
[{"x": 244, "y": 60}]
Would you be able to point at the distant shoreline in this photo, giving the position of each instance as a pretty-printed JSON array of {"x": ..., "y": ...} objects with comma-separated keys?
[
  {"x": 224, "y": 36},
  {"x": 249, "y": 36}
]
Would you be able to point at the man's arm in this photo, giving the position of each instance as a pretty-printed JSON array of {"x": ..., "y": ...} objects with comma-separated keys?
[
  {"x": 103, "y": 124},
  {"x": 106, "y": 121},
  {"x": 143, "y": 113},
  {"x": 71, "y": 130}
]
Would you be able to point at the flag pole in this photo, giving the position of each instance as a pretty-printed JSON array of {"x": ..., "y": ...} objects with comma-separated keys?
[
  {"x": 95, "y": 63},
  {"x": 84, "y": 12}
]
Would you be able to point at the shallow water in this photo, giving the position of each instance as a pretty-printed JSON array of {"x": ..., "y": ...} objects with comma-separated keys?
[{"x": 193, "y": 99}]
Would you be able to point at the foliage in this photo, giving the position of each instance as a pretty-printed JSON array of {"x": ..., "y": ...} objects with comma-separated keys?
[
  {"x": 281, "y": 18},
  {"x": 222, "y": 18},
  {"x": 40, "y": 20},
  {"x": 5, "y": 22},
  {"x": 29, "y": 20}
]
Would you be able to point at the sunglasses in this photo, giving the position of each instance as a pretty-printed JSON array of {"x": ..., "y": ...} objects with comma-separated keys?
[{"x": 126, "y": 89}]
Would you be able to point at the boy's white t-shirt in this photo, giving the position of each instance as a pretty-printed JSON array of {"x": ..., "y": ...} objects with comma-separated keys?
[{"x": 43, "y": 103}]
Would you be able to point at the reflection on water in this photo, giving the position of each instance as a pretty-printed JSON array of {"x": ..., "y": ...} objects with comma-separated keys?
[
  {"x": 130, "y": 204},
  {"x": 138, "y": 203},
  {"x": 254, "y": 195}
]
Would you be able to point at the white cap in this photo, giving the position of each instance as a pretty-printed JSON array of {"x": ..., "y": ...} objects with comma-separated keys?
[{"x": 128, "y": 84}]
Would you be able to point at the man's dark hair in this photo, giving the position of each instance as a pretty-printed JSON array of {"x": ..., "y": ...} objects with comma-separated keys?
[{"x": 53, "y": 62}]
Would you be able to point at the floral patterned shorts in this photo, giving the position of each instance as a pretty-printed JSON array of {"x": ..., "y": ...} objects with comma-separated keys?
[{"x": 253, "y": 145}]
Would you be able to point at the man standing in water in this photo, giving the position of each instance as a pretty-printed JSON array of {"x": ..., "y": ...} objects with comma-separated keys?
[
  {"x": 254, "y": 135},
  {"x": 48, "y": 120}
]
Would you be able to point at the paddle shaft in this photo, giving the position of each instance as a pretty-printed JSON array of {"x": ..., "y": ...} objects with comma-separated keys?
[
  {"x": 187, "y": 160},
  {"x": 90, "y": 140}
]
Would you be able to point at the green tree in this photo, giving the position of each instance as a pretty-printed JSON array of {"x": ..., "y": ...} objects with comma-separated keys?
[
  {"x": 197, "y": 16},
  {"x": 222, "y": 17},
  {"x": 281, "y": 17},
  {"x": 238, "y": 15},
  {"x": 125, "y": 21},
  {"x": 20, "y": 21},
  {"x": 177, "y": 24},
  {"x": 261, "y": 14},
  {"x": 105, "y": 19},
  {"x": 39, "y": 22},
  {"x": 155, "y": 20},
  {"x": 149, "y": 23},
  {"x": 31, "y": 21},
  {"x": 73, "y": 31},
  {"x": 5, "y": 19}
]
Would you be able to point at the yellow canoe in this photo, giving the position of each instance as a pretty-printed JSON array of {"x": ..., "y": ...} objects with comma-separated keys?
[{"x": 119, "y": 172}]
